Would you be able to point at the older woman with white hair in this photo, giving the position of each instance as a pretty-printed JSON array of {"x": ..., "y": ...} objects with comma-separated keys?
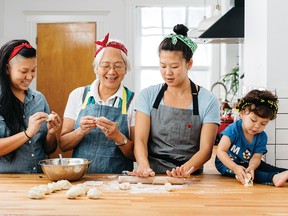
[{"x": 99, "y": 119}]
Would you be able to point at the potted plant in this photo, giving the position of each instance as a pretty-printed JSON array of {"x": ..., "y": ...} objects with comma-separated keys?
[{"x": 231, "y": 81}]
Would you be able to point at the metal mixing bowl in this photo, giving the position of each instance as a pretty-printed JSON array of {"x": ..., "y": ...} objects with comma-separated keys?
[{"x": 71, "y": 169}]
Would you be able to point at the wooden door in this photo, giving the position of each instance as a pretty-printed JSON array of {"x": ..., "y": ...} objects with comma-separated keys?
[{"x": 65, "y": 53}]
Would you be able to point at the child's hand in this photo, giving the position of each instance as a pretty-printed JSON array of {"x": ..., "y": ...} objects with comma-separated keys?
[
  {"x": 251, "y": 171},
  {"x": 240, "y": 173}
]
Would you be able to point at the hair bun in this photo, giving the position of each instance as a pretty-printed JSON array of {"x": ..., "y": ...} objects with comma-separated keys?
[{"x": 181, "y": 29}]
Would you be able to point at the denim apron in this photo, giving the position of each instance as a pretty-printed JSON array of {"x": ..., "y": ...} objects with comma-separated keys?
[
  {"x": 105, "y": 155},
  {"x": 174, "y": 135}
]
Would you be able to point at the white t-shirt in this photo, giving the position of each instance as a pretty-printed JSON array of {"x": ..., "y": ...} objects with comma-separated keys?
[{"x": 74, "y": 104}]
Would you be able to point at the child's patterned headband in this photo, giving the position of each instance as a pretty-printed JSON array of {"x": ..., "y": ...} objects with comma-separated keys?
[{"x": 272, "y": 104}]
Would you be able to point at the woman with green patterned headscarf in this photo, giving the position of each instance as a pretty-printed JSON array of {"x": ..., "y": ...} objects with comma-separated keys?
[{"x": 176, "y": 121}]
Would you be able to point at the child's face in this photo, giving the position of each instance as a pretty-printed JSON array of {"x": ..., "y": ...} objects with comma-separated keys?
[{"x": 253, "y": 124}]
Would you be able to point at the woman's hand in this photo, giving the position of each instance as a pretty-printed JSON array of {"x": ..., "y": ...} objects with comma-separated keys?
[
  {"x": 142, "y": 171},
  {"x": 109, "y": 128},
  {"x": 54, "y": 125},
  {"x": 34, "y": 123},
  {"x": 182, "y": 171},
  {"x": 87, "y": 123}
]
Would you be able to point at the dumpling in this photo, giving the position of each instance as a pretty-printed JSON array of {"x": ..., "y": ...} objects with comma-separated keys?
[
  {"x": 36, "y": 193},
  {"x": 168, "y": 186},
  {"x": 50, "y": 117},
  {"x": 64, "y": 184},
  {"x": 54, "y": 186},
  {"x": 93, "y": 193}
]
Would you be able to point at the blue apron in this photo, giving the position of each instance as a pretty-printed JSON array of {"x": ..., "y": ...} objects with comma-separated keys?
[
  {"x": 174, "y": 135},
  {"x": 105, "y": 155}
]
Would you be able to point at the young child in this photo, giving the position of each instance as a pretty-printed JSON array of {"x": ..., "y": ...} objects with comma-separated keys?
[{"x": 243, "y": 143}]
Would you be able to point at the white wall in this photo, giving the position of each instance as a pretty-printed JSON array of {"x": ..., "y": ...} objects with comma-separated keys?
[
  {"x": 18, "y": 19},
  {"x": 265, "y": 48}
]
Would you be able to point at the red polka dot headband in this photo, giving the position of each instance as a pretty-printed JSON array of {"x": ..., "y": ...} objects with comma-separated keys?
[{"x": 113, "y": 44}]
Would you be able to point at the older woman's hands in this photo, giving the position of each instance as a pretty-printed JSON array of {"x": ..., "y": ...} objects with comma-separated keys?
[
  {"x": 109, "y": 128},
  {"x": 87, "y": 123}
]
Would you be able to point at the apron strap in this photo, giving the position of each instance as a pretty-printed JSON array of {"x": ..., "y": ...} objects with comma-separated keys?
[
  {"x": 160, "y": 96},
  {"x": 194, "y": 96},
  {"x": 86, "y": 99}
]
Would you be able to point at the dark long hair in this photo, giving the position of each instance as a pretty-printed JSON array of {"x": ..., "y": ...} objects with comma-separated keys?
[
  {"x": 11, "y": 108},
  {"x": 166, "y": 44}
]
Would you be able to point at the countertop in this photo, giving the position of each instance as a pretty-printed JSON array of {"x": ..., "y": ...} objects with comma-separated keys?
[{"x": 206, "y": 194}]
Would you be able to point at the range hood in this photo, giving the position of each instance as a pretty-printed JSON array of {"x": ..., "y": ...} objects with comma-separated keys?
[{"x": 227, "y": 29}]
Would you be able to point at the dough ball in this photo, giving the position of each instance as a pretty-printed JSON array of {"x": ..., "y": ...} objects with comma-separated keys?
[
  {"x": 168, "y": 186},
  {"x": 124, "y": 186},
  {"x": 50, "y": 117},
  {"x": 44, "y": 188},
  {"x": 54, "y": 186},
  {"x": 36, "y": 193},
  {"x": 93, "y": 193},
  {"x": 64, "y": 184},
  {"x": 248, "y": 180},
  {"x": 139, "y": 185},
  {"x": 72, "y": 193},
  {"x": 83, "y": 187}
]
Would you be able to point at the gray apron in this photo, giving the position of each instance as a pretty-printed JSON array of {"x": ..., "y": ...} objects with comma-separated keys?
[
  {"x": 174, "y": 134},
  {"x": 105, "y": 155}
]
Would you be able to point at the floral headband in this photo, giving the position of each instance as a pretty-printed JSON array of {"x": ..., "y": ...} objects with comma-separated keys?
[
  {"x": 191, "y": 44},
  {"x": 272, "y": 104},
  {"x": 113, "y": 44},
  {"x": 17, "y": 49}
]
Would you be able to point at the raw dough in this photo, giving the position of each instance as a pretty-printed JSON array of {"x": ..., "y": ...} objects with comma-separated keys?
[
  {"x": 248, "y": 181},
  {"x": 64, "y": 184},
  {"x": 50, "y": 117},
  {"x": 140, "y": 185},
  {"x": 168, "y": 186},
  {"x": 35, "y": 193},
  {"x": 93, "y": 193},
  {"x": 83, "y": 187},
  {"x": 124, "y": 186},
  {"x": 54, "y": 186},
  {"x": 75, "y": 191},
  {"x": 44, "y": 188}
]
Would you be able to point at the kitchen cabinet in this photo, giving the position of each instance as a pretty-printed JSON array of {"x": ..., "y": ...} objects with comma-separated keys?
[{"x": 277, "y": 131}]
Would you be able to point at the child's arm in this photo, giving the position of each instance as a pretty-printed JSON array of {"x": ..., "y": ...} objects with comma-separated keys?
[
  {"x": 222, "y": 149},
  {"x": 254, "y": 163}
]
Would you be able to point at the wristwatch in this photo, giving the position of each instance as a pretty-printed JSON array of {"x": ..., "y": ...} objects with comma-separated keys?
[{"x": 123, "y": 143}]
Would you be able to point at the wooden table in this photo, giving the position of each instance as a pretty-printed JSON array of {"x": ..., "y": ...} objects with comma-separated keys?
[{"x": 207, "y": 194}]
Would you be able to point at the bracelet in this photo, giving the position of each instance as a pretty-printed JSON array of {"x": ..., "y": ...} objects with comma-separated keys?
[
  {"x": 123, "y": 143},
  {"x": 26, "y": 134}
]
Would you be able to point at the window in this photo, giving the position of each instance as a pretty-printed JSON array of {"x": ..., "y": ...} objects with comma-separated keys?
[{"x": 153, "y": 24}]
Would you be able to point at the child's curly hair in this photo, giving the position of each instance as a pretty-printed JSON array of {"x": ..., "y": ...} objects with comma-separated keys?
[{"x": 261, "y": 102}]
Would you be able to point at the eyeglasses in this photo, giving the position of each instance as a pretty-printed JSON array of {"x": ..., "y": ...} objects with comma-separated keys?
[{"x": 116, "y": 67}]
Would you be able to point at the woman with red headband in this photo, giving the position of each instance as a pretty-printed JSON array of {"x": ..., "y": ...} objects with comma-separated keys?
[
  {"x": 25, "y": 137},
  {"x": 99, "y": 118}
]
